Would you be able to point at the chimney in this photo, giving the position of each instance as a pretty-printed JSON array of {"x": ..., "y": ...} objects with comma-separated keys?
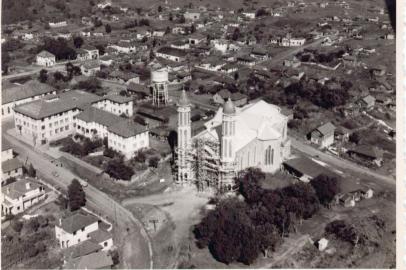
[
  {"x": 60, "y": 222},
  {"x": 28, "y": 186}
]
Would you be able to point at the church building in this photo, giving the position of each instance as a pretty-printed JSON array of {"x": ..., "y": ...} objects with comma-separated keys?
[{"x": 235, "y": 139}]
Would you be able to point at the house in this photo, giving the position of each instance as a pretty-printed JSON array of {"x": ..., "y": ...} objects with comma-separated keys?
[
  {"x": 11, "y": 167},
  {"x": 192, "y": 15},
  {"x": 238, "y": 99},
  {"x": 322, "y": 244},
  {"x": 106, "y": 60},
  {"x": 180, "y": 44},
  {"x": 196, "y": 38},
  {"x": 125, "y": 47},
  {"x": 116, "y": 104},
  {"x": 251, "y": 14},
  {"x": 290, "y": 41},
  {"x": 92, "y": 52},
  {"x": 211, "y": 64},
  {"x": 350, "y": 60},
  {"x": 97, "y": 260},
  {"x": 90, "y": 68},
  {"x": 57, "y": 23},
  {"x": 104, "y": 4},
  {"x": 76, "y": 228},
  {"x": 347, "y": 200},
  {"x": 370, "y": 154},
  {"x": 367, "y": 102},
  {"x": 323, "y": 135},
  {"x": 247, "y": 60},
  {"x": 21, "y": 195},
  {"x": 13, "y": 95},
  {"x": 45, "y": 59},
  {"x": 260, "y": 54},
  {"x": 138, "y": 89},
  {"x": 172, "y": 54}
]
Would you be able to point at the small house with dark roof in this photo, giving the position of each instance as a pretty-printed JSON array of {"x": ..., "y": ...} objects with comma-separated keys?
[
  {"x": 89, "y": 68},
  {"x": 305, "y": 169},
  {"x": 21, "y": 195},
  {"x": 323, "y": 135},
  {"x": 45, "y": 59},
  {"x": 75, "y": 228},
  {"x": 366, "y": 153},
  {"x": 172, "y": 54},
  {"x": 367, "y": 102}
]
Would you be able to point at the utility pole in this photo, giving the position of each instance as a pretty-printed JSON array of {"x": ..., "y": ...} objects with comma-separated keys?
[{"x": 154, "y": 221}]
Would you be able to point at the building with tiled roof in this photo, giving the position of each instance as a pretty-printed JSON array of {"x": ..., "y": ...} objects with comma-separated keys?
[
  {"x": 45, "y": 59},
  {"x": 20, "y": 195},
  {"x": 75, "y": 229},
  {"x": 323, "y": 135},
  {"x": 15, "y": 94}
]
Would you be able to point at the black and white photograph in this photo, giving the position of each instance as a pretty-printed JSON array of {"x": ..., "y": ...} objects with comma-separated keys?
[{"x": 204, "y": 134}]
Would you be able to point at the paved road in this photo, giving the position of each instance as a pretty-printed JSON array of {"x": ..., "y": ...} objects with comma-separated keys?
[
  {"x": 137, "y": 250},
  {"x": 338, "y": 162}
]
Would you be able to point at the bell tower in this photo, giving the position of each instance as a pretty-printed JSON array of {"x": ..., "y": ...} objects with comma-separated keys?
[
  {"x": 227, "y": 147},
  {"x": 184, "y": 139}
]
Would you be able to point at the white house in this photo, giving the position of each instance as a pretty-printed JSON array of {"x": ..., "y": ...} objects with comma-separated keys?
[
  {"x": 18, "y": 196},
  {"x": 323, "y": 135},
  {"x": 125, "y": 47},
  {"x": 117, "y": 105},
  {"x": 46, "y": 59},
  {"x": 249, "y": 14},
  {"x": 75, "y": 229},
  {"x": 56, "y": 23},
  {"x": 192, "y": 15},
  {"x": 90, "y": 68}
]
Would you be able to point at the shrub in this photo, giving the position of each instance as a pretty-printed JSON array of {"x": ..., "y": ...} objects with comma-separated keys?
[
  {"x": 153, "y": 162},
  {"x": 17, "y": 226},
  {"x": 117, "y": 169},
  {"x": 76, "y": 195}
]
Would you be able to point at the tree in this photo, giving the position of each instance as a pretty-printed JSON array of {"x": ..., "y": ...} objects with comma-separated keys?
[
  {"x": 43, "y": 75},
  {"x": 107, "y": 28},
  {"x": 78, "y": 42},
  {"x": 17, "y": 226},
  {"x": 236, "y": 34},
  {"x": 58, "y": 76},
  {"x": 76, "y": 195},
  {"x": 236, "y": 76},
  {"x": 192, "y": 28},
  {"x": 31, "y": 172},
  {"x": 117, "y": 169},
  {"x": 260, "y": 12},
  {"x": 182, "y": 19},
  {"x": 101, "y": 48},
  {"x": 326, "y": 188},
  {"x": 153, "y": 162},
  {"x": 159, "y": 9},
  {"x": 354, "y": 138},
  {"x": 170, "y": 16}
]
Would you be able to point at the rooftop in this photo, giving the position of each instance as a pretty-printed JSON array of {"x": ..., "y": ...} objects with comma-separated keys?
[
  {"x": 77, "y": 221},
  {"x": 99, "y": 116},
  {"x": 74, "y": 99},
  {"x": 18, "y": 188},
  {"x": 15, "y": 92},
  {"x": 11, "y": 165},
  {"x": 98, "y": 260},
  {"x": 127, "y": 129}
]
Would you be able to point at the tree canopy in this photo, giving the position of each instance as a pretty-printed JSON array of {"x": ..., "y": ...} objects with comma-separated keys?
[{"x": 76, "y": 195}]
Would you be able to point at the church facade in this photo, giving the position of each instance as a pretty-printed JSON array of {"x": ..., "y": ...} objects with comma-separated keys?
[{"x": 235, "y": 139}]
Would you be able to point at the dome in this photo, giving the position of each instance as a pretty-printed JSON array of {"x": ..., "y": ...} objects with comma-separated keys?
[
  {"x": 183, "y": 100},
  {"x": 228, "y": 107}
]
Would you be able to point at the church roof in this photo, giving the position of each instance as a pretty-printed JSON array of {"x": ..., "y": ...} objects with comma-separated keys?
[{"x": 259, "y": 120}]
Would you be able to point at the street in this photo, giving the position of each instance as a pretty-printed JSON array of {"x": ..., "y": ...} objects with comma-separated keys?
[
  {"x": 345, "y": 165},
  {"x": 137, "y": 250}
]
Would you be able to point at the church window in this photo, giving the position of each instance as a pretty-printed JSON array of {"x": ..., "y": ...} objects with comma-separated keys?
[
  {"x": 230, "y": 150},
  {"x": 272, "y": 153},
  {"x": 225, "y": 148},
  {"x": 268, "y": 156}
]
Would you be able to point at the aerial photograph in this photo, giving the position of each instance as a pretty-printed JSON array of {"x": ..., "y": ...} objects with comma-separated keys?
[{"x": 207, "y": 134}]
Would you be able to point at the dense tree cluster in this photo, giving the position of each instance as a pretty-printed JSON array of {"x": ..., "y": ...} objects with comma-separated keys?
[
  {"x": 81, "y": 149},
  {"x": 117, "y": 169},
  {"x": 326, "y": 188},
  {"x": 59, "y": 47},
  {"x": 239, "y": 230},
  {"x": 76, "y": 195},
  {"x": 321, "y": 95},
  {"x": 342, "y": 230}
]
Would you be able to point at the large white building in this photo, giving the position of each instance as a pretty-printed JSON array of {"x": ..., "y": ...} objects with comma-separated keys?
[
  {"x": 13, "y": 95},
  {"x": 235, "y": 139},
  {"x": 123, "y": 136}
]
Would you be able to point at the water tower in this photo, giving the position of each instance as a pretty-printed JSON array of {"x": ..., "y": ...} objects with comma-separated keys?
[{"x": 159, "y": 80}]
